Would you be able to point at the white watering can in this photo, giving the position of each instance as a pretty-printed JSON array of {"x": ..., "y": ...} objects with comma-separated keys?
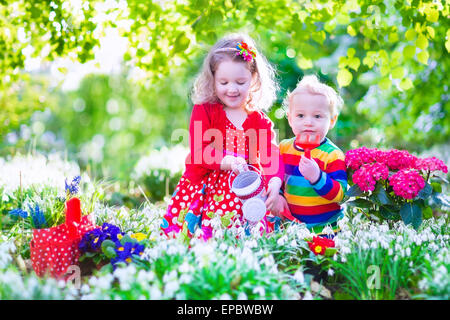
[{"x": 249, "y": 188}]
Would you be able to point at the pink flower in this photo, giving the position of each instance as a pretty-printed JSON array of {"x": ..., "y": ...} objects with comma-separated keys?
[
  {"x": 400, "y": 159},
  {"x": 407, "y": 183},
  {"x": 431, "y": 164},
  {"x": 357, "y": 157},
  {"x": 368, "y": 174}
]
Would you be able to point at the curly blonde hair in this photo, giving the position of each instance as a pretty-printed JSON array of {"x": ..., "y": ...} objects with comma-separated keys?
[
  {"x": 263, "y": 90},
  {"x": 311, "y": 84}
]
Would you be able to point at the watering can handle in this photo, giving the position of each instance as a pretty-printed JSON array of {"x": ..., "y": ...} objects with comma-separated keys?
[{"x": 73, "y": 216}]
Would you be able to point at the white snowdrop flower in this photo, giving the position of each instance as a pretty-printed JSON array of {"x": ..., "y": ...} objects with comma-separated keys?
[
  {"x": 343, "y": 259},
  {"x": 251, "y": 243},
  {"x": 225, "y": 296},
  {"x": 374, "y": 245},
  {"x": 155, "y": 293},
  {"x": 242, "y": 296},
  {"x": 293, "y": 243},
  {"x": 390, "y": 252},
  {"x": 145, "y": 276},
  {"x": 345, "y": 250},
  {"x": 170, "y": 288},
  {"x": 308, "y": 296},
  {"x": 85, "y": 288},
  {"x": 104, "y": 282},
  {"x": 330, "y": 272},
  {"x": 218, "y": 234},
  {"x": 223, "y": 247},
  {"x": 282, "y": 240},
  {"x": 185, "y": 267},
  {"x": 328, "y": 230},
  {"x": 260, "y": 291},
  {"x": 171, "y": 275},
  {"x": 408, "y": 251},
  {"x": 364, "y": 246},
  {"x": 299, "y": 276},
  {"x": 186, "y": 278}
]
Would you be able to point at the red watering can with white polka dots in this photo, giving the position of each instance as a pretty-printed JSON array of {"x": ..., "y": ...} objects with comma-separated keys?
[{"x": 54, "y": 249}]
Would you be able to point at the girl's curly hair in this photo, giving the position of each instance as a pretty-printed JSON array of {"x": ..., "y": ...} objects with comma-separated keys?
[{"x": 263, "y": 90}]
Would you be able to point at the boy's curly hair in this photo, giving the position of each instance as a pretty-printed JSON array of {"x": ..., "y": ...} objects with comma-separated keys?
[{"x": 311, "y": 84}]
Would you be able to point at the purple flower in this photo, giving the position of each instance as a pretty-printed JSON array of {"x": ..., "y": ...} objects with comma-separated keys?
[
  {"x": 126, "y": 252},
  {"x": 38, "y": 217},
  {"x": 73, "y": 187},
  {"x": 111, "y": 231},
  {"x": 92, "y": 240}
]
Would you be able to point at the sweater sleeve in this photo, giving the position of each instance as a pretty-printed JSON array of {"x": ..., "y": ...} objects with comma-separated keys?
[
  {"x": 269, "y": 152},
  {"x": 332, "y": 182},
  {"x": 205, "y": 142}
]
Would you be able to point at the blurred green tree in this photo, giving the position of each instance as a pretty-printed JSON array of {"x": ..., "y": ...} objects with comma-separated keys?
[{"x": 389, "y": 58}]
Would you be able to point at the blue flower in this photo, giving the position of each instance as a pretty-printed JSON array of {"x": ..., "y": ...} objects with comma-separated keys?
[
  {"x": 38, "y": 217},
  {"x": 19, "y": 213},
  {"x": 73, "y": 187}
]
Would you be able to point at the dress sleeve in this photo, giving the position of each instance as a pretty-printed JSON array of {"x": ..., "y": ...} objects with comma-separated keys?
[
  {"x": 269, "y": 152},
  {"x": 206, "y": 143}
]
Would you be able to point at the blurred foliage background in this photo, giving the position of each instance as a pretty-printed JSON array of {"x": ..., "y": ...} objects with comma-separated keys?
[{"x": 388, "y": 59}]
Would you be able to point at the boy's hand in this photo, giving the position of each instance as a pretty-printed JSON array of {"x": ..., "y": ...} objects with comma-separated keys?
[
  {"x": 309, "y": 169},
  {"x": 273, "y": 189}
]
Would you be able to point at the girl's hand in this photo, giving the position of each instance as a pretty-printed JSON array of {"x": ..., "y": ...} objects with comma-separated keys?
[
  {"x": 280, "y": 205},
  {"x": 236, "y": 164},
  {"x": 273, "y": 189},
  {"x": 309, "y": 169}
]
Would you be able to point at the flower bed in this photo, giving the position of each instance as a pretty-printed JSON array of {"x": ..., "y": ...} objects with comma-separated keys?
[{"x": 126, "y": 257}]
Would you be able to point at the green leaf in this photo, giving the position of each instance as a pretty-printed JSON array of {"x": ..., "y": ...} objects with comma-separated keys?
[
  {"x": 181, "y": 43},
  {"x": 432, "y": 14},
  {"x": 422, "y": 42},
  {"x": 344, "y": 77},
  {"x": 351, "y": 52},
  {"x": 354, "y": 63},
  {"x": 426, "y": 192},
  {"x": 354, "y": 191},
  {"x": 329, "y": 252},
  {"x": 437, "y": 187},
  {"x": 385, "y": 83},
  {"x": 368, "y": 61},
  {"x": 409, "y": 52},
  {"x": 410, "y": 34},
  {"x": 107, "y": 243},
  {"x": 398, "y": 73},
  {"x": 360, "y": 203},
  {"x": 381, "y": 195},
  {"x": 387, "y": 213},
  {"x": 110, "y": 252},
  {"x": 351, "y": 31},
  {"x": 423, "y": 57},
  {"x": 406, "y": 84},
  {"x": 411, "y": 213},
  {"x": 126, "y": 238},
  {"x": 427, "y": 212}
]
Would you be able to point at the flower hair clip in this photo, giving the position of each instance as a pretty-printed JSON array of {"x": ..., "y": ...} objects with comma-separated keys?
[{"x": 245, "y": 51}]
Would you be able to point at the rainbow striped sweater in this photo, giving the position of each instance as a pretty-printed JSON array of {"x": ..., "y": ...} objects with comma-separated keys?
[{"x": 316, "y": 204}]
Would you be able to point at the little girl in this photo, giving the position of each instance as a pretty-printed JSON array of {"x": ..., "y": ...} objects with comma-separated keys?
[{"x": 227, "y": 131}]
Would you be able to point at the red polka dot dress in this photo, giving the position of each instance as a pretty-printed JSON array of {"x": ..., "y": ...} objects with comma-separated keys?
[{"x": 209, "y": 204}]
